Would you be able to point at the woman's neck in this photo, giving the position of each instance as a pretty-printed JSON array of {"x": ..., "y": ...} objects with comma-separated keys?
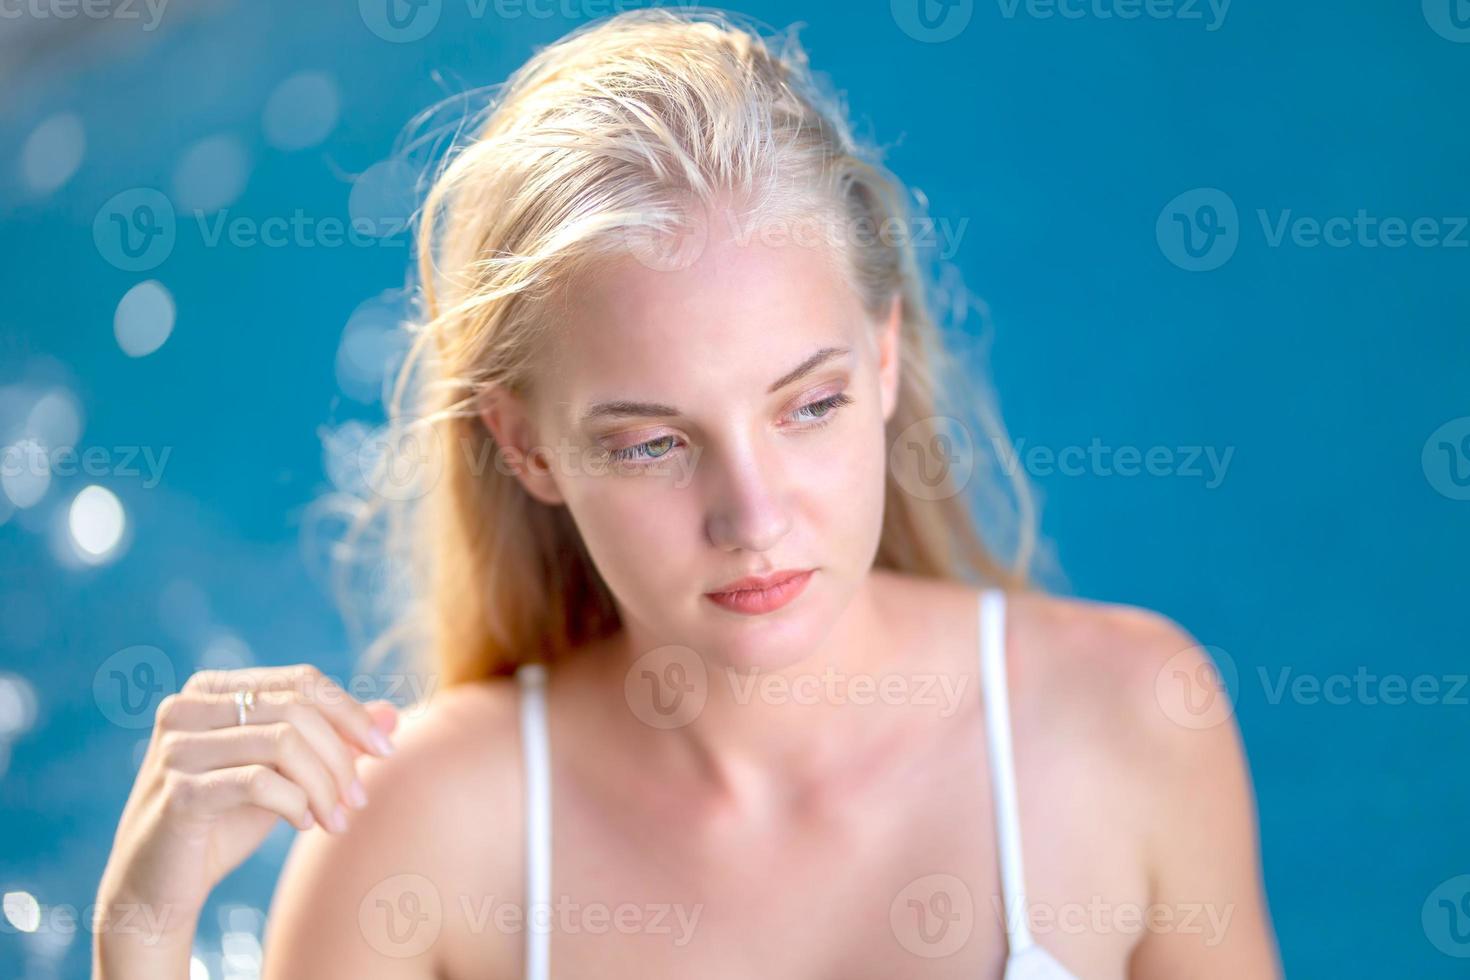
[{"x": 765, "y": 741}]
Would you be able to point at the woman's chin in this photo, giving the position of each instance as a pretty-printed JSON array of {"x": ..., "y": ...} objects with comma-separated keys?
[{"x": 772, "y": 642}]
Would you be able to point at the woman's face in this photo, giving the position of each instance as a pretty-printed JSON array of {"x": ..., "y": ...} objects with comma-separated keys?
[{"x": 714, "y": 422}]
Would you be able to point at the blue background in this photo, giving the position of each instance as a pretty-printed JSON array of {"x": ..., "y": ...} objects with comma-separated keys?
[{"x": 1330, "y": 546}]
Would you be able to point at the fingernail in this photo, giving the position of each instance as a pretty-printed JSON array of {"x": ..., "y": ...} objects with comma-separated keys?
[
  {"x": 380, "y": 742},
  {"x": 338, "y": 819},
  {"x": 356, "y": 795}
]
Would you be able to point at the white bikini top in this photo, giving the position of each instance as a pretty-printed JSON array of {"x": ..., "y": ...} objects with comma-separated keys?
[{"x": 1026, "y": 960}]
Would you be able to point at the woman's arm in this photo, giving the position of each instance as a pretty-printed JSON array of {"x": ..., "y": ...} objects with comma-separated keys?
[
  {"x": 397, "y": 896},
  {"x": 1211, "y": 917},
  {"x": 218, "y": 776}
]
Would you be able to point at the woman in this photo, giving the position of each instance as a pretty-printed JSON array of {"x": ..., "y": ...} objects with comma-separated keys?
[{"x": 775, "y": 709}]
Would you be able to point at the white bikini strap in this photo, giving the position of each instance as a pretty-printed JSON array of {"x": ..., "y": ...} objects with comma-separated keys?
[
  {"x": 536, "y": 754},
  {"x": 1002, "y": 766}
]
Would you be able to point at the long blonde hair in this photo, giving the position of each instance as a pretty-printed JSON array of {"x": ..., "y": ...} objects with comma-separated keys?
[{"x": 630, "y": 125}]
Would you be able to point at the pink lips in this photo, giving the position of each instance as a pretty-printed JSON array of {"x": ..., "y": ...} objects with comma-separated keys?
[{"x": 756, "y": 594}]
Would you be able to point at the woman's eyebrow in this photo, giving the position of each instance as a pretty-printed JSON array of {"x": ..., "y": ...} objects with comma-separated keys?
[
  {"x": 622, "y": 408},
  {"x": 807, "y": 367}
]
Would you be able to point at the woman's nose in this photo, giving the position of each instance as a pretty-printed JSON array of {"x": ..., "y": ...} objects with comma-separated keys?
[{"x": 750, "y": 512}]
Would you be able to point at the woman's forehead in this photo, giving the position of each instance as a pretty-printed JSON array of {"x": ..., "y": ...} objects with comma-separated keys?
[{"x": 735, "y": 296}]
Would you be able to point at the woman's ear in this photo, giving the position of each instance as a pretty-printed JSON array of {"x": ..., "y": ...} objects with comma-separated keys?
[
  {"x": 890, "y": 346},
  {"x": 508, "y": 418}
]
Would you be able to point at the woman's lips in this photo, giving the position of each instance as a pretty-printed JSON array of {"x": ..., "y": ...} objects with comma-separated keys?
[{"x": 754, "y": 602}]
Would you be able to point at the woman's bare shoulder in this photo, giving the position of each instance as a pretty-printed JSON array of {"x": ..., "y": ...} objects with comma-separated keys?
[
  {"x": 1142, "y": 672},
  {"x": 402, "y": 891}
]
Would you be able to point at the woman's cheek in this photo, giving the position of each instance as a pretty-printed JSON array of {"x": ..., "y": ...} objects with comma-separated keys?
[
  {"x": 851, "y": 476},
  {"x": 633, "y": 528}
]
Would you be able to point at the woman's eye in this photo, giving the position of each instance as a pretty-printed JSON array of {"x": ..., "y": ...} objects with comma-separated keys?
[
  {"x": 813, "y": 414},
  {"x": 823, "y": 410},
  {"x": 651, "y": 450}
]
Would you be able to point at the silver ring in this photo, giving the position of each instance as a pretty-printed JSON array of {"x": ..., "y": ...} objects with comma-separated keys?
[{"x": 244, "y": 703}]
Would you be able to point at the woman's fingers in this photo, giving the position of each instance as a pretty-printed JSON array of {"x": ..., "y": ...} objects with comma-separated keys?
[
  {"x": 203, "y": 795},
  {"x": 208, "y": 701},
  {"x": 334, "y": 753},
  {"x": 280, "y": 745},
  {"x": 302, "y": 724}
]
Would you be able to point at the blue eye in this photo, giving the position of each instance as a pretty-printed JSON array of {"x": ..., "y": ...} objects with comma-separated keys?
[
  {"x": 653, "y": 449},
  {"x": 827, "y": 406},
  {"x": 813, "y": 414}
]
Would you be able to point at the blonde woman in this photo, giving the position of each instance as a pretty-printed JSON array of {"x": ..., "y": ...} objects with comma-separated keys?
[{"x": 726, "y": 682}]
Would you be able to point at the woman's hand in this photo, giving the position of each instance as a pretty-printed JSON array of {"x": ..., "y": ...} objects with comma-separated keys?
[{"x": 209, "y": 790}]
